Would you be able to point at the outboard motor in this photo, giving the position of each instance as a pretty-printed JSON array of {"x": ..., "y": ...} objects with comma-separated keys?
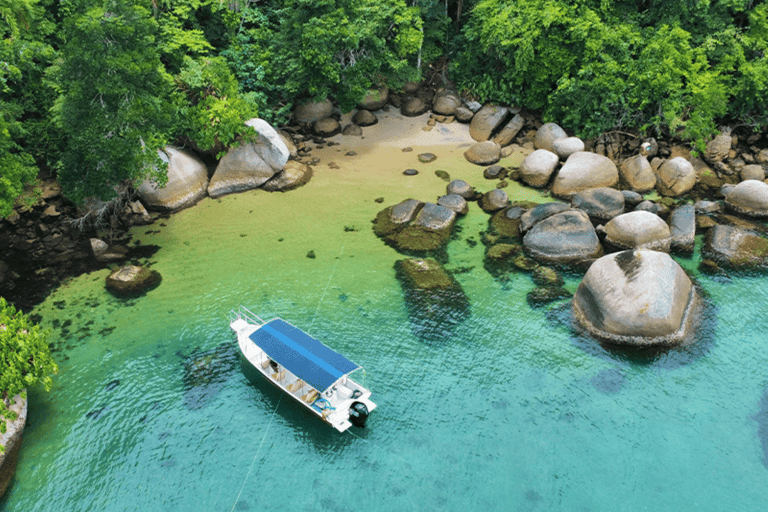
[{"x": 358, "y": 414}]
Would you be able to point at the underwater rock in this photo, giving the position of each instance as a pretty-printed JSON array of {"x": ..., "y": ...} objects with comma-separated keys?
[
  {"x": 132, "y": 280},
  {"x": 435, "y": 301},
  {"x": 735, "y": 247},
  {"x": 205, "y": 372},
  {"x": 542, "y": 295},
  {"x": 639, "y": 298}
]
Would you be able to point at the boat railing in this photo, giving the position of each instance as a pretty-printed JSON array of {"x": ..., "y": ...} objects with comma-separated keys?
[{"x": 246, "y": 314}]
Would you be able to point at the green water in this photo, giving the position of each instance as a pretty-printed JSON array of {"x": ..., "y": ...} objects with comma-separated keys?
[{"x": 510, "y": 411}]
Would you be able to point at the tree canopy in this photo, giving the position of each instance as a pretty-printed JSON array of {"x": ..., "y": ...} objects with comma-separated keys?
[{"x": 92, "y": 88}]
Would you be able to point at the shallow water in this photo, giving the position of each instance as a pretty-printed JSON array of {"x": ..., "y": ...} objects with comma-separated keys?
[{"x": 512, "y": 410}]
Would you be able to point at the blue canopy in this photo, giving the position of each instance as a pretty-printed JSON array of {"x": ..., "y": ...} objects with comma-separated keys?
[{"x": 301, "y": 354}]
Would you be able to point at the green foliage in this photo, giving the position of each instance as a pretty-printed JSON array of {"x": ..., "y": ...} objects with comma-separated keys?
[
  {"x": 17, "y": 170},
  {"x": 676, "y": 66},
  {"x": 316, "y": 48},
  {"x": 112, "y": 107},
  {"x": 25, "y": 358},
  {"x": 211, "y": 110}
]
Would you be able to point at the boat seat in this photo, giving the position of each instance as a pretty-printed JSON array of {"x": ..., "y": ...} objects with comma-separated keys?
[
  {"x": 343, "y": 391},
  {"x": 310, "y": 397},
  {"x": 264, "y": 364},
  {"x": 296, "y": 385},
  {"x": 279, "y": 375}
]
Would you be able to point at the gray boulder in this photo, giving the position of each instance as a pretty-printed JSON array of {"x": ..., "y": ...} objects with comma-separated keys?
[
  {"x": 187, "y": 182},
  {"x": 311, "y": 111},
  {"x": 405, "y": 212},
  {"x": 460, "y": 188},
  {"x": 464, "y": 115},
  {"x": 638, "y": 173},
  {"x": 446, "y": 102},
  {"x": 326, "y": 127},
  {"x": 537, "y": 168},
  {"x": 244, "y": 168},
  {"x": 374, "y": 99},
  {"x": 599, "y": 203},
  {"x": 538, "y": 213},
  {"x": 675, "y": 177},
  {"x": 735, "y": 247},
  {"x": 494, "y": 200},
  {"x": 455, "y": 202},
  {"x": 565, "y": 238},
  {"x": 483, "y": 153},
  {"x": 638, "y": 229},
  {"x": 510, "y": 131},
  {"x": 631, "y": 198},
  {"x": 364, "y": 118},
  {"x": 269, "y": 145},
  {"x": 753, "y": 172},
  {"x": 584, "y": 170},
  {"x": 638, "y": 298},
  {"x": 682, "y": 227},
  {"x": 648, "y": 206},
  {"x": 413, "y": 106},
  {"x": 567, "y": 146},
  {"x": 547, "y": 135},
  {"x": 719, "y": 148},
  {"x": 748, "y": 198},
  {"x": 435, "y": 217},
  {"x": 486, "y": 121},
  {"x": 294, "y": 175}
]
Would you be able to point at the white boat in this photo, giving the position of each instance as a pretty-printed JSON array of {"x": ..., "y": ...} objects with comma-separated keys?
[{"x": 309, "y": 372}]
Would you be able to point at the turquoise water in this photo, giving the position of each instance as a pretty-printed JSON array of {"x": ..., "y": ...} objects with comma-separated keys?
[{"x": 511, "y": 411}]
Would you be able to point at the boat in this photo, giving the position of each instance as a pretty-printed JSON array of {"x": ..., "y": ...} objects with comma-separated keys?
[{"x": 309, "y": 372}]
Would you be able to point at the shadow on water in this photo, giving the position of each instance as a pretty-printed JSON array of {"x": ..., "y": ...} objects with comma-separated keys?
[
  {"x": 762, "y": 424},
  {"x": 700, "y": 342},
  {"x": 205, "y": 372}
]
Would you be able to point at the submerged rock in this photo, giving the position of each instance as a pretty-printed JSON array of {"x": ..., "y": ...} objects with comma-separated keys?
[
  {"x": 415, "y": 227},
  {"x": 132, "y": 280},
  {"x": 638, "y": 298},
  {"x": 206, "y": 372},
  {"x": 435, "y": 301},
  {"x": 735, "y": 247}
]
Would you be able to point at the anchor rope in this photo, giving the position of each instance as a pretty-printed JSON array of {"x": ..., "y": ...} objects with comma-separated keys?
[
  {"x": 338, "y": 259},
  {"x": 257, "y": 453}
]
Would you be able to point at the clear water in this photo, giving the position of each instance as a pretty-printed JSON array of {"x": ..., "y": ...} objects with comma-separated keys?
[{"x": 511, "y": 411}]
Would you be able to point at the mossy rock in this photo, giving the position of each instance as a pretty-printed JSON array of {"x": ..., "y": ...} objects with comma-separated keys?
[
  {"x": 503, "y": 251},
  {"x": 524, "y": 263},
  {"x": 545, "y": 294},
  {"x": 546, "y": 276},
  {"x": 132, "y": 281},
  {"x": 443, "y": 175}
]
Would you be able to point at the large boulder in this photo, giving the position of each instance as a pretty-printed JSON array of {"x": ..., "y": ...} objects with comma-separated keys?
[
  {"x": 537, "y": 168},
  {"x": 531, "y": 217},
  {"x": 547, "y": 135},
  {"x": 187, "y": 182},
  {"x": 446, "y": 102},
  {"x": 326, "y": 127},
  {"x": 240, "y": 169},
  {"x": 269, "y": 145},
  {"x": 638, "y": 229},
  {"x": 567, "y": 146},
  {"x": 311, "y": 111},
  {"x": 483, "y": 153},
  {"x": 435, "y": 301},
  {"x": 638, "y": 173},
  {"x": 676, "y": 176},
  {"x": 682, "y": 226},
  {"x": 748, "y": 198},
  {"x": 132, "y": 280},
  {"x": 719, "y": 148},
  {"x": 374, "y": 99},
  {"x": 364, "y": 118},
  {"x": 413, "y": 106},
  {"x": 510, "y": 131},
  {"x": 584, "y": 170},
  {"x": 566, "y": 238},
  {"x": 294, "y": 175},
  {"x": 486, "y": 121},
  {"x": 415, "y": 227},
  {"x": 639, "y": 298},
  {"x": 599, "y": 203},
  {"x": 735, "y": 247}
]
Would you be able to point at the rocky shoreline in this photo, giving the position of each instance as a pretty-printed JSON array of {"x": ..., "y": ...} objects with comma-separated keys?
[{"x": 41, "y": 245}]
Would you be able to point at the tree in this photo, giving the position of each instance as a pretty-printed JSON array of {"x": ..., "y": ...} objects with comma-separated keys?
[
  {"x": 113, "y": 106},
  {"x": 25, "y": 358}
]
